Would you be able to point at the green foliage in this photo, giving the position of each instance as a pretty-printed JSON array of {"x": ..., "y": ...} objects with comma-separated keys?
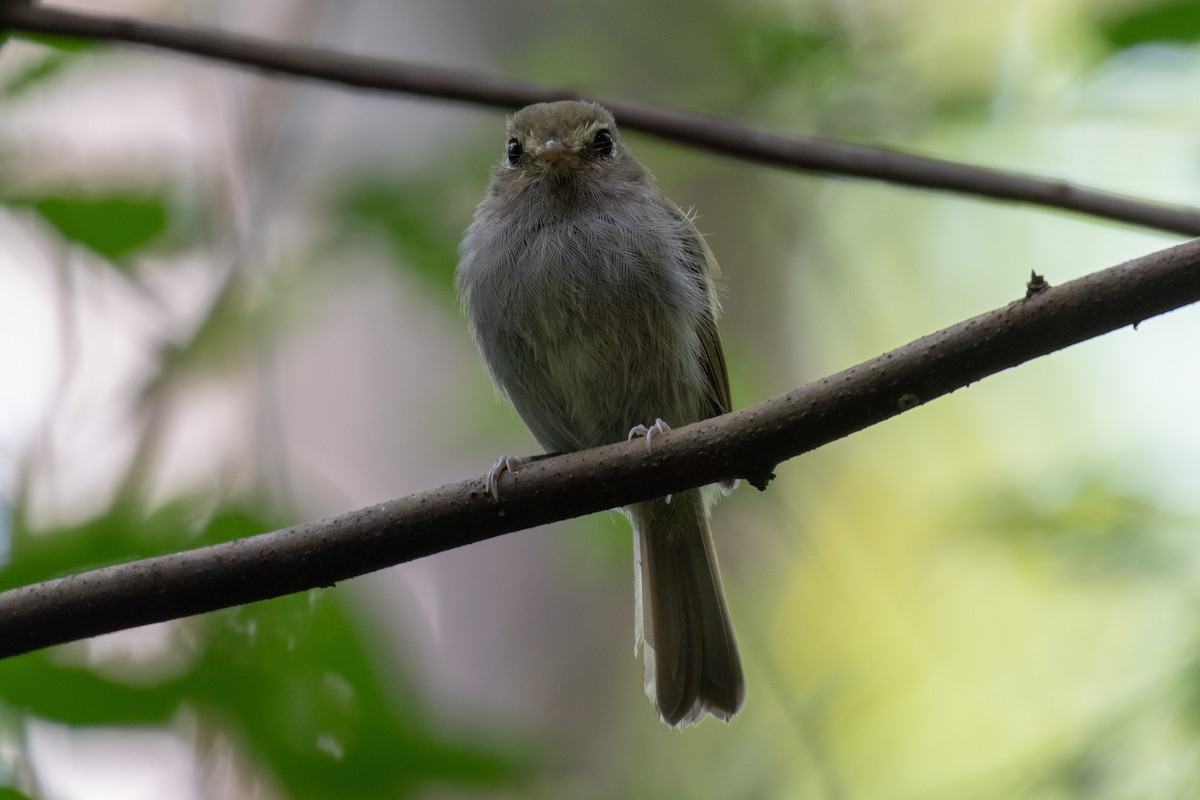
[
  {"x": 1093, "y": 527},
  {"x": 292, "y": 679},
  {"x": 125, "y": 532},
  {"x": 1189, "y": 707},
  {"x": 769, "y": 52},
  {"x": 114, "y": 222},
  {"x": 60, "y": 54},
  {"x": 64, "y": 44},
  {"x": 236, "y": 324},
  {"x": 409, "y": 215},
  {"x": 1176, "y": 21},
  {"x": 114, "y": 225}
]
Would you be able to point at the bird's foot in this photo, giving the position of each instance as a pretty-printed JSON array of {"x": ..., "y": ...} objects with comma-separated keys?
[
  {"x": 640, "y": 430},
  {"x": 503, "y": 464},
  {"x": 657, "y": 428}
]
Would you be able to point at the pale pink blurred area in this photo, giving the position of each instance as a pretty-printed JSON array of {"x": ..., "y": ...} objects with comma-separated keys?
[{"x": 164, "y": 765}]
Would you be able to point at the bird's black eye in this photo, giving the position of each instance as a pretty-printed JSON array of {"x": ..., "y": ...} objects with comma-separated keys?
[
  {"x": 603, "y": 143},
  {"x": 515, "y": 152}
]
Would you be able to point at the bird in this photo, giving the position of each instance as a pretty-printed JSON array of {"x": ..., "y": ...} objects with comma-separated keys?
[{"x": 592, "y": 300}]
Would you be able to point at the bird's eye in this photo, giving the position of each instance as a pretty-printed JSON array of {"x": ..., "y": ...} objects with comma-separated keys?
[
  {"x": 603, "y": 143},
  {"x": 515, "y": 152}
]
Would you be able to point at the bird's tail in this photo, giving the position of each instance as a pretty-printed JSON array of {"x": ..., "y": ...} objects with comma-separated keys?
[{"x": 691, "y": 657}]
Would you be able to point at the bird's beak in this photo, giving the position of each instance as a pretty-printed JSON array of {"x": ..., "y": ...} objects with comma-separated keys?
[{"x": 555, "y": 152}]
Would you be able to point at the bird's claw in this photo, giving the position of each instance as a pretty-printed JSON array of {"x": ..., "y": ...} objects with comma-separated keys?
[
  {"x": 640, "y": 430},
  {"x": 503, "y": 464}
]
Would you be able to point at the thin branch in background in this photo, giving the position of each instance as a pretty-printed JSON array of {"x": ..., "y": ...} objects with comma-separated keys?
[
  {"x": 748, "y": 443},
  {"x": 699, "y": 130}
]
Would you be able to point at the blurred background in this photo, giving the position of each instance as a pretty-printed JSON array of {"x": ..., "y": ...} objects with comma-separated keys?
[{"x": 227, "y": 306}]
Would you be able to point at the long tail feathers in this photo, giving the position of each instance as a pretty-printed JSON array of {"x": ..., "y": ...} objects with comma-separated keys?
[{"x": 691, "y": 657}]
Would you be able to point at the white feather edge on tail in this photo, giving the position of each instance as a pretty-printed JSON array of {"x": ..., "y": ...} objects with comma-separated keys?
[{"x": 716, "y": 628}]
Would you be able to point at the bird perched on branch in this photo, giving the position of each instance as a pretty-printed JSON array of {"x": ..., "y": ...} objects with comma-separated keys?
[{"x": 591, "y": 298}]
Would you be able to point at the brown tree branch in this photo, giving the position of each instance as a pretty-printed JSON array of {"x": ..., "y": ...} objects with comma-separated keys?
[
  {"x": 699, "y": 130},
  {"x": 748, "y": 443}
]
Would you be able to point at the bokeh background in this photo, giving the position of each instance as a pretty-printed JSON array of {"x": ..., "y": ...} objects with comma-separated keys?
[{"x": 226, "y": 305}]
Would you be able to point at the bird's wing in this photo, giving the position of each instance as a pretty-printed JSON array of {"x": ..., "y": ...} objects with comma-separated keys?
[{"x": 705, "y": 268}]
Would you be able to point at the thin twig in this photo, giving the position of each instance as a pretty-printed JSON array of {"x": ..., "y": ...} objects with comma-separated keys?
[
  {"x": 747, "y": 443},
  {"x": 699, "y": 130}
]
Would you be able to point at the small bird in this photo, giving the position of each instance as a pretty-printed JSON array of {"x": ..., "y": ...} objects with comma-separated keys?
[{"x": 591, "y": 299}]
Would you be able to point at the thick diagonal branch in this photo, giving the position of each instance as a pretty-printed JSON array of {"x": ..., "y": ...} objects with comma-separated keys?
[
  {"x": 699, "y": 130},
  {"x": 747, "y": 443}
]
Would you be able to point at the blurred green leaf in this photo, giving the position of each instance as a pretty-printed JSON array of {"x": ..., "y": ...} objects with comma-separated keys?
[
  {"x": 1092, "y": 527},
  {"x": 767, "y": 52},
  {"x": 233, "y": 327},
  {"x": 39, "y": 684},
  {"x": 311, "y": 702},
  {"x": 8, "y": 793},
  {"x": 113, "y": 225},
  {"x": 291, "y": 678},
  {"x": 411, "y": 217},
  {"x": 243, "y": 317},
  {"x": 66, "y": 44},
  {"x": 63, "y": 53},
  {"x": 1177, "y": 21},
  {"x": 36, "y": 73},
  {"x": 124, "y": 533}
]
